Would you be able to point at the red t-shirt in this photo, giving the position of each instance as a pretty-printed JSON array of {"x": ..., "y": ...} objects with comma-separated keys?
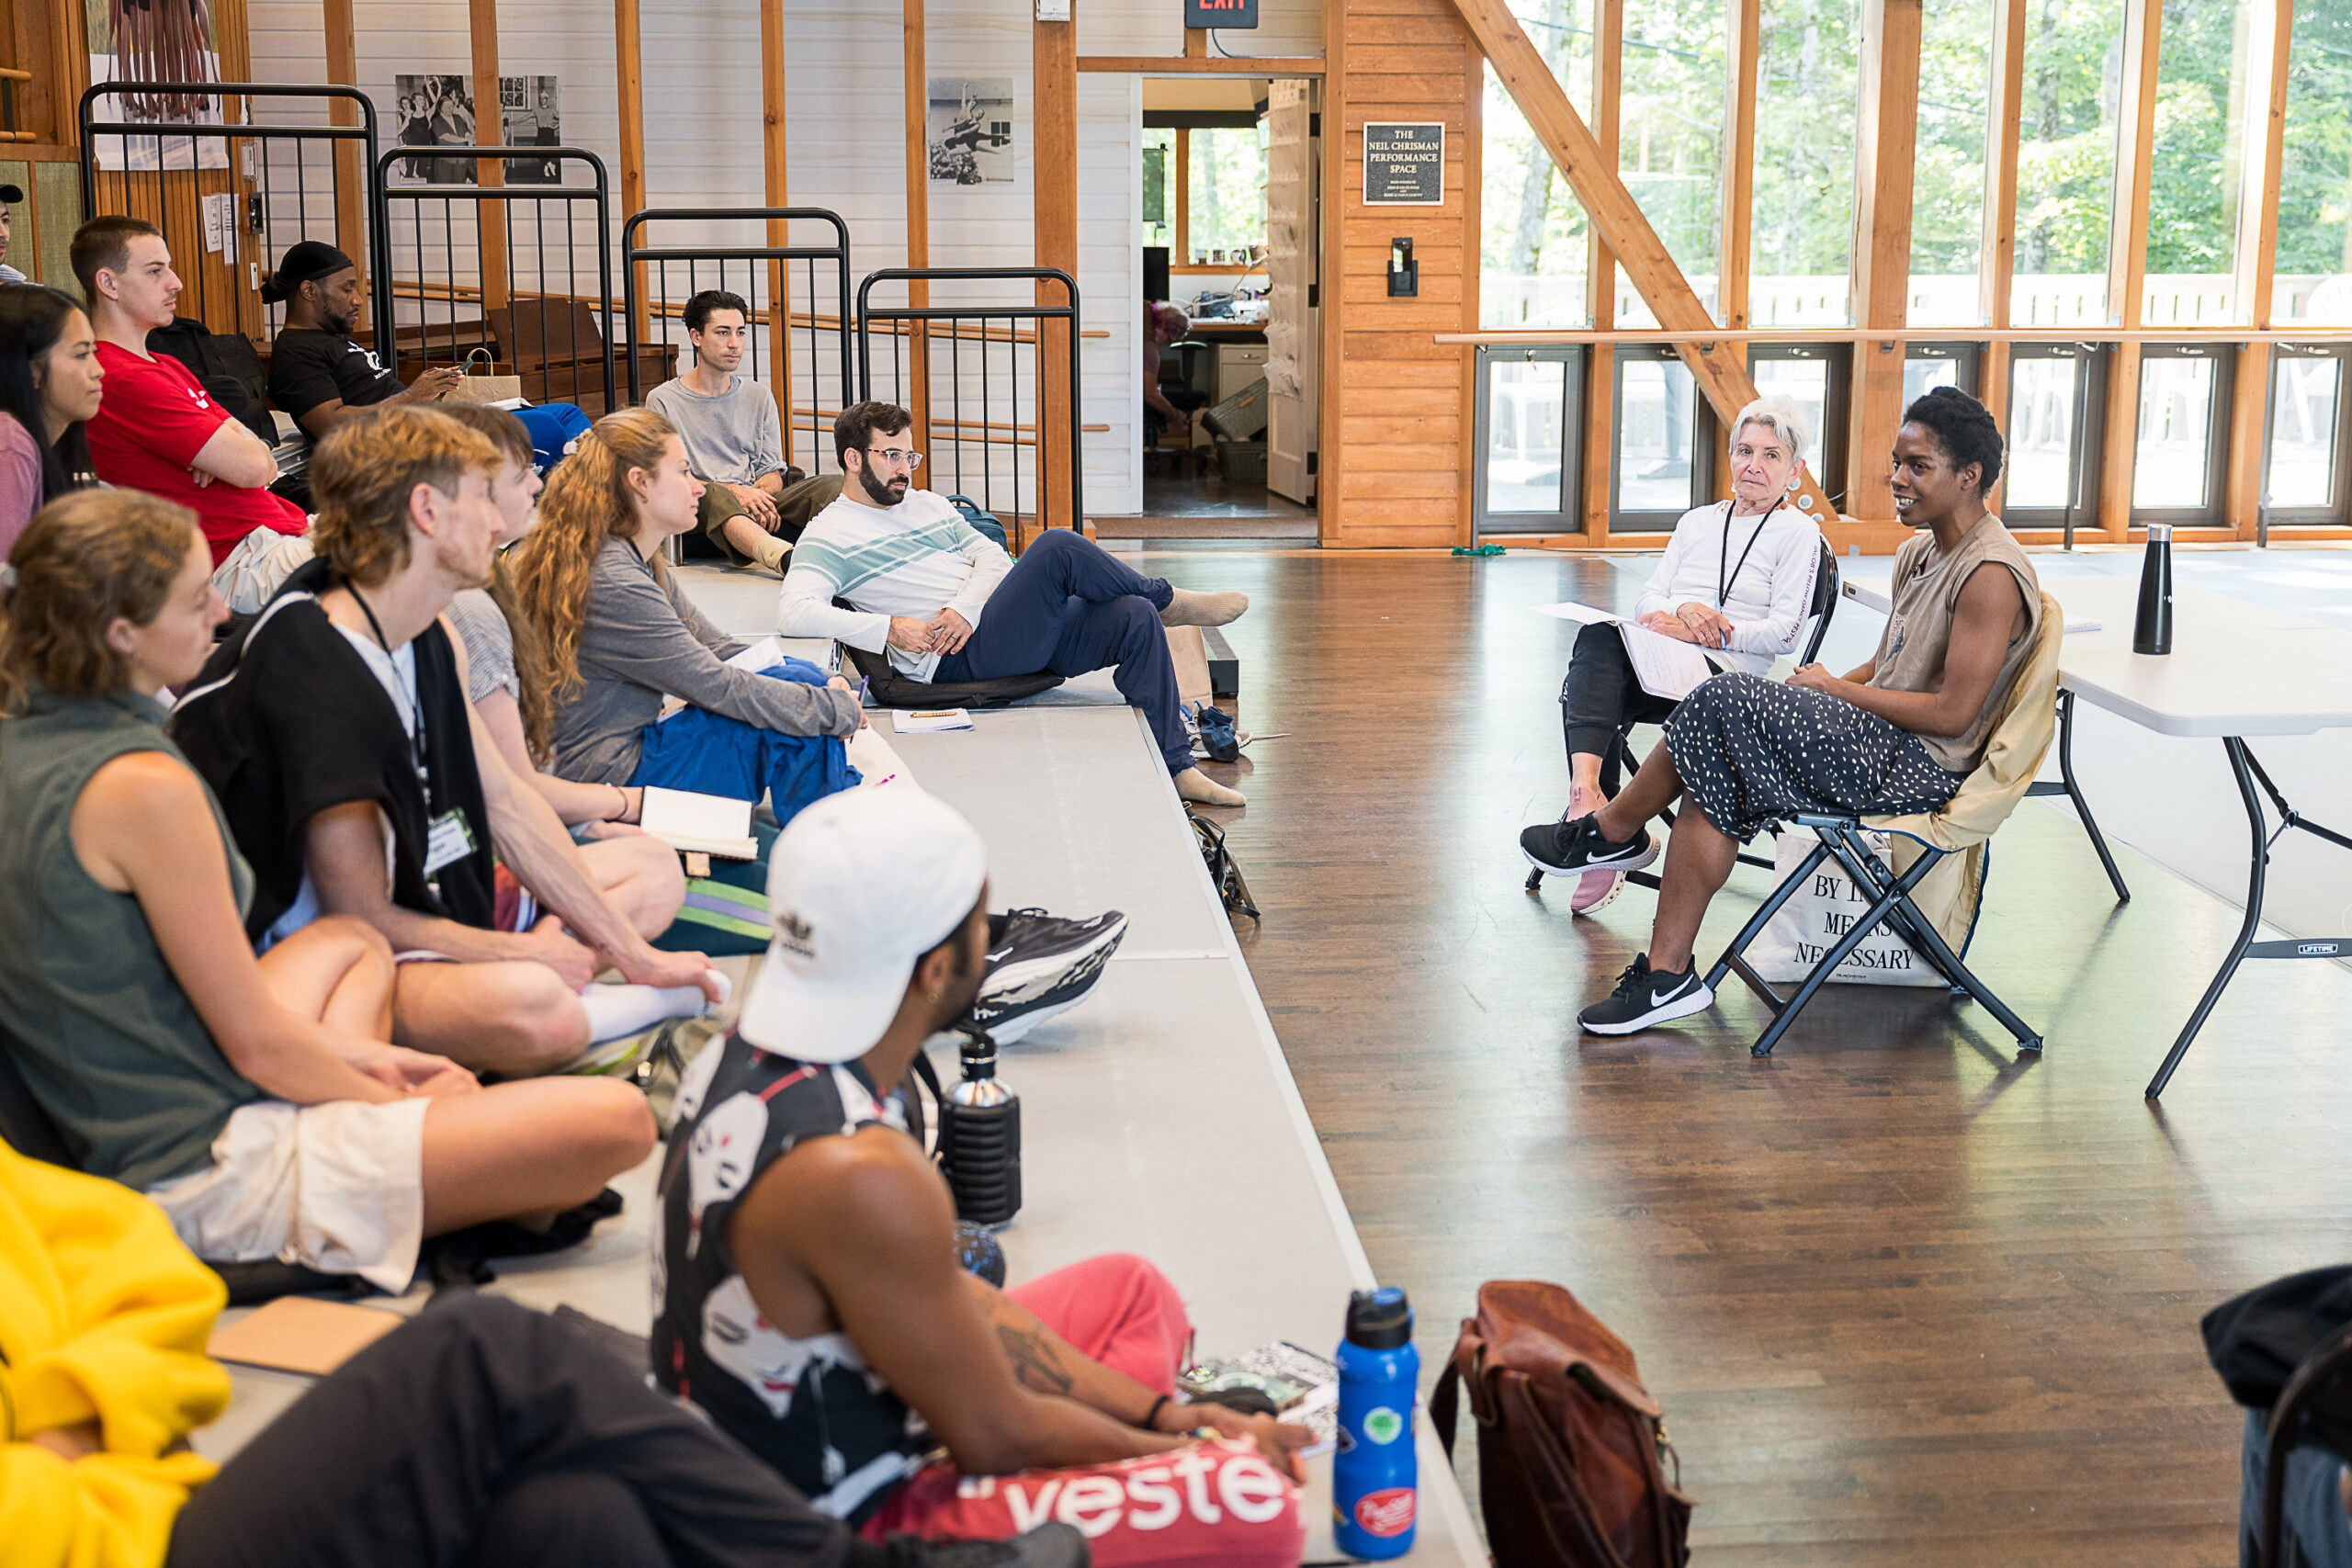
[{"x": 153, "y": 418}]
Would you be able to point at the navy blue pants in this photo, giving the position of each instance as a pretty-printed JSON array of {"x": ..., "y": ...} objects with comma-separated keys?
[{"x": 1069, "y": 606}]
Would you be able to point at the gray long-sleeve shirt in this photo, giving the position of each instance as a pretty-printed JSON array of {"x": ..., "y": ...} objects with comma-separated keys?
[{"x": 644, "y": 639}]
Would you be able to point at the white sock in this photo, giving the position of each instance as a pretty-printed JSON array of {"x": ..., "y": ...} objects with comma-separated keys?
[{"x": 615, "y": 1011}]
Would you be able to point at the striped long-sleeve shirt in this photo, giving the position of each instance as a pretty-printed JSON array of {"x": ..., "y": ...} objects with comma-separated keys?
[{"x": 912, "y": 560}]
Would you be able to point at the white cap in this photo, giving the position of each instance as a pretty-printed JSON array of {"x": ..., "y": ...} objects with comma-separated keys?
[{"x": 860, "y": 886}]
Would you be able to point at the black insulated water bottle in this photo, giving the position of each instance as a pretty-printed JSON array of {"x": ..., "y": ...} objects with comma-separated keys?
[
  {"x": 980, "y": 1140},
  {"x": 2152, "y": 628}
]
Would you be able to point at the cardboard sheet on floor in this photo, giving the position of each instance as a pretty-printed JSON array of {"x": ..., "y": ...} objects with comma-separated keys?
[{"x": 298, "y": 1333}]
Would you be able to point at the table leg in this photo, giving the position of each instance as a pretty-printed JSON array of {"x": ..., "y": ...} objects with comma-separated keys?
[
  {"x": 2075, "y": 794},
  {"x": 2240, "y": 768}
]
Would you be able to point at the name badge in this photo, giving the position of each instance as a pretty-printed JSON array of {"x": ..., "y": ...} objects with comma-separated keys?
[{"x": 450, "y": 840}]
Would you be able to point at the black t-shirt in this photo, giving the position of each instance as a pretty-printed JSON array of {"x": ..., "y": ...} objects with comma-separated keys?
[
  {"x": 308, "y": 367},
  {"x": 809, "y": 1406},
  {"x": 287, "y": 720}
]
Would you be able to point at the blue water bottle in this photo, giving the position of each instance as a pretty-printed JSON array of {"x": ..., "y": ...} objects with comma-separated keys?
[{"x": 1375, "y": 1476}]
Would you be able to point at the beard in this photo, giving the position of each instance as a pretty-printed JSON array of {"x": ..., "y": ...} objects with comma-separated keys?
[
  {"x": 340, "y": 325},
  {"x": 881, "y": 492}
]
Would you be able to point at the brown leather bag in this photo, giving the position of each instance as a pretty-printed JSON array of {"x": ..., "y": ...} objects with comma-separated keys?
[{"x": 1572, "y": 1450}]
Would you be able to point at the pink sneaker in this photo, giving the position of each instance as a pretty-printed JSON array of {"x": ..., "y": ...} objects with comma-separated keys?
[{"x": 1595, "y": 891}]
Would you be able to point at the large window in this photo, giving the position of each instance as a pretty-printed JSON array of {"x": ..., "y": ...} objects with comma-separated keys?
[
  {"x": 2182, "y": 434},
  {"x": 1670, "y": 127},
  {"x": 2314, "y": 278},
  {"x": 2074, "y": 63},
  {"x": 1530, "y": 419},
  {"x": 1535, "y": 245},
  {"x": 1948, "y": 181},
  {"x": 2309, "y": 462},
  {"x": 1801, "y": 216},
  {"x": 2193, "y": 182}
]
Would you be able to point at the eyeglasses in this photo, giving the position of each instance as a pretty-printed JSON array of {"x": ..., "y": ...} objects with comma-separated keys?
[{"x": 913, "y": 460}]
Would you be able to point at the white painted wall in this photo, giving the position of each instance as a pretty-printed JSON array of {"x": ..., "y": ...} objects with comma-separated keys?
[{"x": 844, "y": 93}]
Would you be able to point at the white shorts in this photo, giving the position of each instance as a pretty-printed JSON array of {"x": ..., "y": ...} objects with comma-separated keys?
[{"x": 337, "y": 1186}]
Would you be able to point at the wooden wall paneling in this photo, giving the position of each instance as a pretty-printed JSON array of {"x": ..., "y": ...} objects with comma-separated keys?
[
  {"x": 1886, "y": 147},
  {"x": 778, "y": 193},
  {"x": 1997, "y": 256},
  {"x": 918, "y": 234},
  {"x": 1399, "y": 412},
  {"x": 1600, "y": 433},
  {"x": 1339, "y": 371},
  {"x": 1055, "y": 96},
  {"x": 1720, "y": 371},
  {"x": 2271, "y": 26},
  {"x": 2127, "y": 257},
  {"x": 481, "y": 20},
  {"x": 351, "y": 177}
]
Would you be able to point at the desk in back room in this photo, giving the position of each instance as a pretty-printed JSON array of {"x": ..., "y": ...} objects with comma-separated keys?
[{"x": 2235, "y": 671}]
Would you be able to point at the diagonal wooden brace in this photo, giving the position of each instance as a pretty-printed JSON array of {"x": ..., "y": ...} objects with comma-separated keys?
[{"x": 1719, "y": 369}]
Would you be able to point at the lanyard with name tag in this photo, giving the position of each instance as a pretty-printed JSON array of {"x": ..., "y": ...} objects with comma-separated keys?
[{"x": 449, "y": 840}]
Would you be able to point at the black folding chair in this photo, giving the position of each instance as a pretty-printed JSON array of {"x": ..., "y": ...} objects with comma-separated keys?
[
  {"x": 1825, "y": 604},
  {"x": 2006, "y": 769},
  {"x": 2319, "y": 1394}
]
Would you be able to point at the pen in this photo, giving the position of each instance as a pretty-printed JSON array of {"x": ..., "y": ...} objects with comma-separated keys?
[{"x": 862, "y": 682}]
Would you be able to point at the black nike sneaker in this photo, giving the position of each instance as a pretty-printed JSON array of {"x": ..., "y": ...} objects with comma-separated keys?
[
  {"x": 1048, "y": 1546},
  {"x": 1040, "y": 966},
  {"x": 1562, "y": 848},
  {"x": 1645, "y": 998}
]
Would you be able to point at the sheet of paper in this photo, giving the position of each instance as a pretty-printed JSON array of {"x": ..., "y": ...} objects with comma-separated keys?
[
  {"x": 877, "y": 765},
  {"x": 1572, "y": 611},
  {"x": 298, "y": 1334},
  {"x": 1665, "y": 667},
  {"x": 2074, "y": 625},
  {"x": 765, "y": 654},
  {"x": 712, "y": 824},
  {"x": 929, "y": 721}
]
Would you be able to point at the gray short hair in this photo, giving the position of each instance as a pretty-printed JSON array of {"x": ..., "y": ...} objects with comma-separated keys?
[{"x": 1779, "y": 415}]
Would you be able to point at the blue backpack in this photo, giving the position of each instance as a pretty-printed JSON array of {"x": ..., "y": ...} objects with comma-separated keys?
[{"x": 555, "y": 429}]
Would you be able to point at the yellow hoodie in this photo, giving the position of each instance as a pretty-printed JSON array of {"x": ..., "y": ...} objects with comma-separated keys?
[{"x": 103, "y": 1317}]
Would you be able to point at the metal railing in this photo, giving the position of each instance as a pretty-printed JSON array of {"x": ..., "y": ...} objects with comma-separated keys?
[
  {"x": 551, "y": 335},
  {"x": 261, "y": 223},
  {"x": 774, "y": 263},
  {"x": 930, "y": 344}
]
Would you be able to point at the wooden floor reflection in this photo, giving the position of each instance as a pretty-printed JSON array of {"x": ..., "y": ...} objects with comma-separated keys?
[{"x": 1907, "y": 1297}]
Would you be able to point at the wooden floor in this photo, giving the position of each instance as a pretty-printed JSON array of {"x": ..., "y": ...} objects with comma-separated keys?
[{"x": 1907, "y": 1298}]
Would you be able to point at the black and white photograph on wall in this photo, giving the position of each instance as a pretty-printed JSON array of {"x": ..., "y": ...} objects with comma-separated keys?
[
  {"x": 161, "y": 41},
  {"x": 970, "y": 129},
  {"x": 434, "y": 111},
  {"x": 530, "y": 115}
]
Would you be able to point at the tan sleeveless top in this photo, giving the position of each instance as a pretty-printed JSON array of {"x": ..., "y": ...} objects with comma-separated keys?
[{"x": 1927, "y": 592}]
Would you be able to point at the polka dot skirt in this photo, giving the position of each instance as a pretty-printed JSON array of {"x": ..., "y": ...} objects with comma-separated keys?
[{"x": 1753, "y": 751}]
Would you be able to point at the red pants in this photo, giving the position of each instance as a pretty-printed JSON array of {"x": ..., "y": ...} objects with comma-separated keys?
[{"x": 1211, "y": 1503}]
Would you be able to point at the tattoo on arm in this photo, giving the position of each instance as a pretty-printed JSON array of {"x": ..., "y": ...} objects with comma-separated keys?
[{"x": 1036, "y": 1364}]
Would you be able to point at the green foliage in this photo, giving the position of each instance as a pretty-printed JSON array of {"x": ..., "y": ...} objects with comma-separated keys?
[{"x": 2315, "y": 182}]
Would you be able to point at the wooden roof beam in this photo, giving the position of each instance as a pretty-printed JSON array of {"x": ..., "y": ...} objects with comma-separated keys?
[{"x": 1718, "y": 369}]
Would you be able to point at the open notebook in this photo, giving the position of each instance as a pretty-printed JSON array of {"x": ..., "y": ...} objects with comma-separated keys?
[
  {"x": 1666, "y": 668},
  {"x": 700, "y": 824}
]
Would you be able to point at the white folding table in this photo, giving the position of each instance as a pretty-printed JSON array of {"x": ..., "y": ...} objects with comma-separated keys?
[{"x": 2235, "y": 671}]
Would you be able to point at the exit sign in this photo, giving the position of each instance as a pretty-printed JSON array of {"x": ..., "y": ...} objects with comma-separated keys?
[{"x": 1220, "y": 13}]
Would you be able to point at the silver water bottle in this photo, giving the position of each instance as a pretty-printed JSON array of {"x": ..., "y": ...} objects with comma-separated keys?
[
  {"x": 980, "y": 1140},
  {"x": 2152, "y": 628}
]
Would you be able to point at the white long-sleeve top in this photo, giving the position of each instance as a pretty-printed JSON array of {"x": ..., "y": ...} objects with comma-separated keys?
[
  {"x": 1767, "y": 596},
  {"x": 914, "y": 559}
]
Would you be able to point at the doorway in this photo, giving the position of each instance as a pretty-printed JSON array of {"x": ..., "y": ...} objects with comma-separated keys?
[{"x": 1230, "y": 238}]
